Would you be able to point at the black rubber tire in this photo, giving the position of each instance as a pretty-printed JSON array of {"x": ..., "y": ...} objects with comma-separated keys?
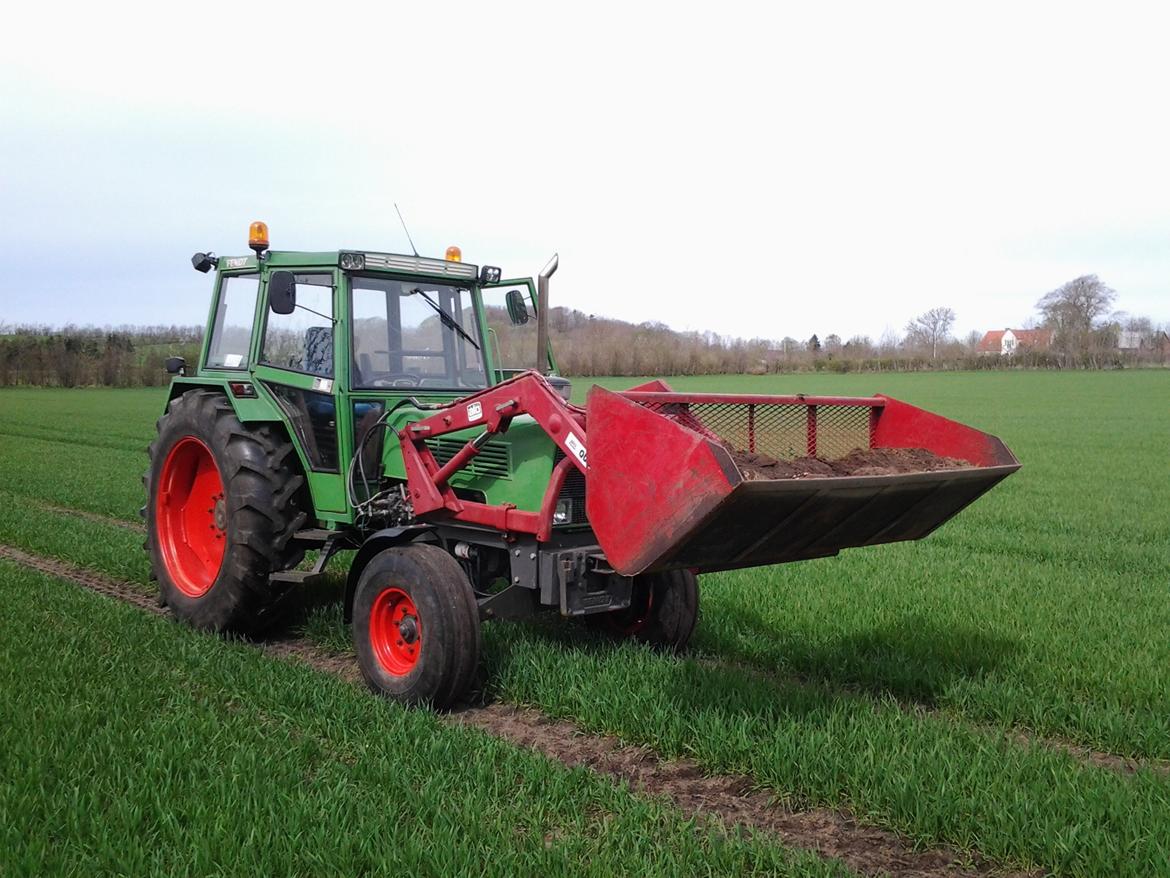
[
  {"x": 448, "y": 617},
  {"x": 265, "y": 498},
  {"x": 663, "y": 611}
]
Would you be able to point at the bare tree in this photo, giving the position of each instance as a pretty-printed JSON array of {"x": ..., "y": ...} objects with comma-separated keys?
[
  {"x": 931, "y": 329},
  {"x": 1132, "y": 323},
  {"x": 889, "y": 342},
  {"x": 1073, "y": 310}
]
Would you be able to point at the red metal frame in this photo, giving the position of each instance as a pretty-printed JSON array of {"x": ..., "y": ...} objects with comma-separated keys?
[
  {"x": 493, "y": 410},
  {"x": 902, "y": 425},
  {"x": 658, "y": 398}
]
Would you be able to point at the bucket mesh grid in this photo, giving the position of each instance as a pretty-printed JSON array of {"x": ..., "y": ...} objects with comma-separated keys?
[{"x": 784, "y": 431}]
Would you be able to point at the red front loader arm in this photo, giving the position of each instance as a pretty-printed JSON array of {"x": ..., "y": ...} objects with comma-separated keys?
[{"x": 493, "y": 410}]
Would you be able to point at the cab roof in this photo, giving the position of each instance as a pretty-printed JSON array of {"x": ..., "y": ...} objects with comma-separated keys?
[{"x": 356, "y": 260}]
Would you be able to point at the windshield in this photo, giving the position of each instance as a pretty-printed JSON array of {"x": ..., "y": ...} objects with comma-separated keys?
[{"x": 414, "y": 334}]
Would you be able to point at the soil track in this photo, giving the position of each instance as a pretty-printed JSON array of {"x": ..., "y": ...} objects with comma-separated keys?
[
  {"x": 96, "y": 518},
  {"x": 733, "y": 800}
]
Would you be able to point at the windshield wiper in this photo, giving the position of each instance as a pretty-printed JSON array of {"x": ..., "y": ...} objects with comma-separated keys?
[{"x": 447, "y": 319}]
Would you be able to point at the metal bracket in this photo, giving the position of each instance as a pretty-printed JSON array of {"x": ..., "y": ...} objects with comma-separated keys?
[
  {"x": 589, "y": 585},
  {"x": 514, "y": 602}
]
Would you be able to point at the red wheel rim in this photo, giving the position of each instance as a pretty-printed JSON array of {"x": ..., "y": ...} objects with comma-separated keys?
[
  {"x": 395, "y": 631},
  {"x": 191, "y": 517},
  {"x": 635, "y": 617}
]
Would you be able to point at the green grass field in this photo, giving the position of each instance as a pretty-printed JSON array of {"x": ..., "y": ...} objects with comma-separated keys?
[
  {"x": 920, "y": 686},
  {"x": 133, "y": 746}
]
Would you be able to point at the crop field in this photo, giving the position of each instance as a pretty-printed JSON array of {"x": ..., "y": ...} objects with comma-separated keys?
[{"x": 993, "y": 699}]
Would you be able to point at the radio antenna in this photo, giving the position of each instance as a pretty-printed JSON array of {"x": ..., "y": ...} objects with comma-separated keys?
[{"x": 405, "y": 229}]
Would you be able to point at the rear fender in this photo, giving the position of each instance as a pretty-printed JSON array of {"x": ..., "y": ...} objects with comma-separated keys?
[
  {"x": 375, "y": 543},
  {"x": 258, "y": 408}
]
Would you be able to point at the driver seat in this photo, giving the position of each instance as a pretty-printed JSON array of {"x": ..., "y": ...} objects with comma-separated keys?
[{"x": 319, "y": 350}]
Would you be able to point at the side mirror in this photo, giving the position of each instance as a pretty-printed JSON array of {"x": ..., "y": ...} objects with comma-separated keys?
[
  {"x": 282, "y": 292},
  {"x": 517, "y": 309}
]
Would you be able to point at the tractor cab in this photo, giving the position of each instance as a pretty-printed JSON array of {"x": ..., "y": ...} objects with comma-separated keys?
[{"x": 344, "y": 347}]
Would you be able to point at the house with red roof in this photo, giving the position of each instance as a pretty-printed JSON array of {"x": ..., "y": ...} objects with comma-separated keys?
[{"x": 1005, "y": 342}]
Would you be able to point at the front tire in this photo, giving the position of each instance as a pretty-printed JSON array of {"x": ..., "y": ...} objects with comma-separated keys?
[
  {"x": 416, "y": 626},
  {"x": 223, "y": 502}
]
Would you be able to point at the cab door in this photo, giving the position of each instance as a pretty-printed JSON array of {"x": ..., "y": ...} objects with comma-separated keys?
[
  {"x": 298, "y": 361},
  {"x": 511, "y": 346}
]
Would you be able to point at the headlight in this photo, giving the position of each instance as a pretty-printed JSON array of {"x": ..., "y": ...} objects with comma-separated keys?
[
  {"x": 563, "y": 514},
  {"x": 353, "y": 261},
  {"x": 489, "y": 274},
  {"x": 562, "y": 386}
]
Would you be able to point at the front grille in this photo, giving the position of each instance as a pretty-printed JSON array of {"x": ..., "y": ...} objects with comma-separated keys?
[{"x": 493, "y": 461}]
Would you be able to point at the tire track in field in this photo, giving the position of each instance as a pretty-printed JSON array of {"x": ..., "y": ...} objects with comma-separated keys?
[
  {"x": 126, "y": 444},
  {"x": 128, "y": 592},
  {"x": 733, "y": 800},
  {"x": 95, "y": 517}
]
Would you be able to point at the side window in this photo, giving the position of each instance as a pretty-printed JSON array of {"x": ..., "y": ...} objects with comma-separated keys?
[
  {"x": 231, "y": 331},
  {"x": 514, "y": 344},
  {"x": 303, "y": 340}
]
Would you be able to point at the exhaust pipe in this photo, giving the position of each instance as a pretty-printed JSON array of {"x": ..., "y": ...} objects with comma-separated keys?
[{"x": 542, "y": 314}]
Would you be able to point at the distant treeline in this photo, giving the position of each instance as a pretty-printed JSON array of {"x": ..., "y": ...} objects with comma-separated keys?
[
  {"x": 585, "y": 345},
  {"x": 590, "y": 346},
  {"x": 79, "y": 356}
]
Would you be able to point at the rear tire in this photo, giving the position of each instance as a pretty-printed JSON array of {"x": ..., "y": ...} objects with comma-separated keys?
[
  {"x": 663, "y": 611},
  {"x": 223, "y": 502},
  {"x": 416, "y": 626}
]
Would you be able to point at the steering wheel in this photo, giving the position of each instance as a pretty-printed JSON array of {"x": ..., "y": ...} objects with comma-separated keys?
[{"x": 396, "y": 379}]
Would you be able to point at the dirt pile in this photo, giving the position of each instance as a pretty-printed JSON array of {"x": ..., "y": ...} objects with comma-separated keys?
[{"x": 858, "y": 462}]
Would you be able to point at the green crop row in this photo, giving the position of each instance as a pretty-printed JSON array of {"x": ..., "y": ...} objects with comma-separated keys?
[
  {"x": 98, "y": 417},
  {"x": 928, "y": 776},
  {"x": 134, "y": 746},
  {"x": 932, "y": 778}
]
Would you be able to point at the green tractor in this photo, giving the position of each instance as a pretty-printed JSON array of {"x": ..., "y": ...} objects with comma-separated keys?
[{"x": 409, "y": 408}]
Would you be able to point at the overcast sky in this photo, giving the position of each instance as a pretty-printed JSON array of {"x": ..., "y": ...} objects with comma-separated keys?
[{"x": 756, "y": 170}]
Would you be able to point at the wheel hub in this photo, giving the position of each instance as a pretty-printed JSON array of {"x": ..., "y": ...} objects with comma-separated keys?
[
  {"x": 408, "y": 628},
  {"x": 396, "y": 631}
]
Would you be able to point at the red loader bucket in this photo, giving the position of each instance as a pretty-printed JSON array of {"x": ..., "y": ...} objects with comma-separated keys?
[{"x": 664, "y": 489}]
